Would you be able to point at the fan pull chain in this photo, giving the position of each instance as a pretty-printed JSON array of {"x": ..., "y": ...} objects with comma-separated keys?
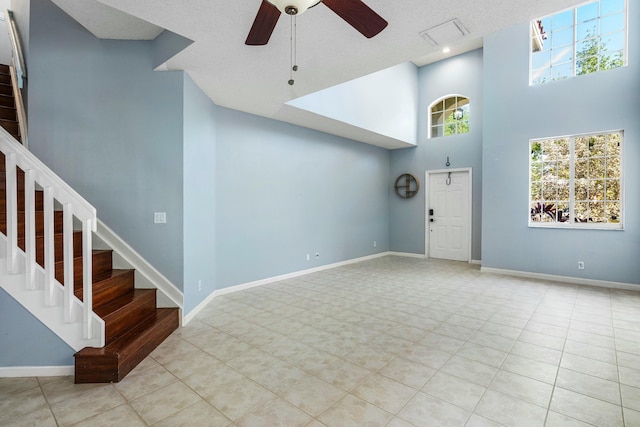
[{"x": 294, "y": 67}]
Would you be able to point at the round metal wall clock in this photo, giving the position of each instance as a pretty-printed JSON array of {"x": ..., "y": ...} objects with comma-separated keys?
[{"x": 407, "y": 186}]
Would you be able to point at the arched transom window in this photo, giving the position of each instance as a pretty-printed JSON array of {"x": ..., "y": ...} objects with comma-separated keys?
[{"x": 449, "y": 116}]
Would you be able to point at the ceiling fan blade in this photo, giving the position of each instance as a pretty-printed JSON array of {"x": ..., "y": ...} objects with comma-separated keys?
[
  {"x": 358, "y": 15},
  {"x": 263, "y": 25}
]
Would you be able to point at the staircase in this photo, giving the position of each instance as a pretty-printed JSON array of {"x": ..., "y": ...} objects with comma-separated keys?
[{"x": 134, "y": 326}]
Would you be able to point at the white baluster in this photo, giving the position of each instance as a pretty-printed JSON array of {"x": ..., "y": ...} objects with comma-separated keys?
[
  {"x": 68, "y": 261},
  {"x": 49, "y": 249},
  {"x": 30, "y": 227},
  {"x": 11, "y": 190},
  {"x": 87, "y": 278}
]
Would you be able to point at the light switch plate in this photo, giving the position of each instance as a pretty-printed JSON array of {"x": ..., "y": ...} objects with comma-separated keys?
[{"x": 160, "y": 217}]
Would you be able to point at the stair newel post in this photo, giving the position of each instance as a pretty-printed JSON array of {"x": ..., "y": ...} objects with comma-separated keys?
[
  {"x": 67, "y": 236},
  {"x": 49, "y": 249},
  {"x": 12, "y": 211},
  {"x": 87, "y": 273},
  {"x": 30, "y": 227}
]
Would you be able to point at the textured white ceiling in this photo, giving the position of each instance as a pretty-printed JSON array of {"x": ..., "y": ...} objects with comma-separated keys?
[{"x": 254, "y": 78}]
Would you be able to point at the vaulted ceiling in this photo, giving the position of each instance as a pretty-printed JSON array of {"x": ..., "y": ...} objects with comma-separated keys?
[{"x": 329, "y": 51}]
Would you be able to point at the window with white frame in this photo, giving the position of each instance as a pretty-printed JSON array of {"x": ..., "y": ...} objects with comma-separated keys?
[
  {"x": 584, "y": 40},
  {"x": 449, "y": 116},
  {"x": 576, "y": 181}
]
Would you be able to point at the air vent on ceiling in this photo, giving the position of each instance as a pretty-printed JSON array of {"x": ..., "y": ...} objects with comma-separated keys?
[{"x": 445, "y": 33}]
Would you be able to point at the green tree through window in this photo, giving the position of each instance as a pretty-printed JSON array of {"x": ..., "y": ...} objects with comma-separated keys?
[
  {"x": 576, "y": 180},
  {"x": 584, "y": 40}
]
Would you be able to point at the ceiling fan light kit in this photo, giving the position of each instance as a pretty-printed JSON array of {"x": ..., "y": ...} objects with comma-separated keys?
[{"x": 293, "y": 7}]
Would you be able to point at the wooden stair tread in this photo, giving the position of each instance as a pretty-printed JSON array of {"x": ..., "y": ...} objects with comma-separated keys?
[
  {"x": 131, "y": 308},
  {"x": 106, "y": 308},
  {"x": 113, "y": 361},
  {"x": 110, "y": 275}
]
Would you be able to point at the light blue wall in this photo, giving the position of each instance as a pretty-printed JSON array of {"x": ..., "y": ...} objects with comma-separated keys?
[
  {"x": 385, "y": 102},
  {"x": 199, "y": 195},
  {"x": 460, "y": 75},
  {"x": 25, "y": 341},
  {"x": 283, "y": 191},
  {"x": 110, "y": 126},
  {"x": 515, "y": 112}
]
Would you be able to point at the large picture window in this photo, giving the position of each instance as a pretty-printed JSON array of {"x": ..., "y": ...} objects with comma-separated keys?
[
  {"x": 576, "y": 181},
  {"x": 584, "y": 40}
]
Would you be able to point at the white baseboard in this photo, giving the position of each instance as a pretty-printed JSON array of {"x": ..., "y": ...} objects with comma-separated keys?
[
  {"x": 407, "y": 254},
  {"x": 564, "y": 279},
  {"x": 36, "y": 371},
  {"x": 192, "y": 314},
  {"x": 476, "y": 261}
]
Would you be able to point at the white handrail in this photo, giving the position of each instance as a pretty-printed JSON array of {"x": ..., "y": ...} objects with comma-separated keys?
[
  {"x": 16, "y": 48},
  {"x": 74, "y": 206},
  {"x": 18, "y": 73}
]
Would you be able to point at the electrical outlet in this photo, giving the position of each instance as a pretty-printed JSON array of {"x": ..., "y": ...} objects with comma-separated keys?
[
  {"x": 580, "y": 265},
  {"x": 199, "y": 285},
  {"x": 317, "y": 255},
  {"x": 307, "y": 257},
  {"x": 375, "y": 243}
]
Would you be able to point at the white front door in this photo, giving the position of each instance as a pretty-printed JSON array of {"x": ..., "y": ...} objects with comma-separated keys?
[{"x": 448, "y": 215}]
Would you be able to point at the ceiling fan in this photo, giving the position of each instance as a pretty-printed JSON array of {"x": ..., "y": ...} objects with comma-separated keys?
[{"x": 355, "y": 12}]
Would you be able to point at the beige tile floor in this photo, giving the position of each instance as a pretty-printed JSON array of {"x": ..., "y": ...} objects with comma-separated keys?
[{"x": 388, "y": 342}]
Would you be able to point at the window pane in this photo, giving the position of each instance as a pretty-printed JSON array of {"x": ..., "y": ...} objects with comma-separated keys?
[
  {"x": 612, "y": 23},
  {"x": 437, "y": 131},
  {"x": 613, "y": 212},
  {"x": 562, "y": 20},
  {"x": 587, "y": 47},
  {"x": 561, "y": 72},
  {"x": 581, "y": 168},
  {"x": 564, "y": 169},
  {"x": 563, "y": 212},
  {"x": 562, "y": 55},
  {"x": 541, "y": 59},
  {"x": 541, "y": 76},
  {"x": 437, "y": 118},
  {"x": 613, "y": 190},
  {"x": 439, "y": 106},
  {"x": 613, "y": 167},
  {"x": 449, "y": 129},
  {"x": 596, "y": 212},
  {"x": 613, "y": 144},
  {"x": 463, "y": 102},
  {"x": 549, "y": 190},
  {"x": 581, "y": 211},
  {"x": 549, "y": 171},
  {"x": 549, "y": 149},
  {"x": 588, "y": 12},
  {"x": 587, "y": 30},
  {"x": 597, "y": 145},
  {"x": 596, "y": 168},
  {"x": 611, "y": 6},
  {"x": 450, "y": 103},
  {"x": 536, "y": 191},
  {"x": 581, "y": 190},
  {"x": 612, "y": 42},
  {"x": 563, "y": 190},
  {"x": 562, "y": 38}
]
